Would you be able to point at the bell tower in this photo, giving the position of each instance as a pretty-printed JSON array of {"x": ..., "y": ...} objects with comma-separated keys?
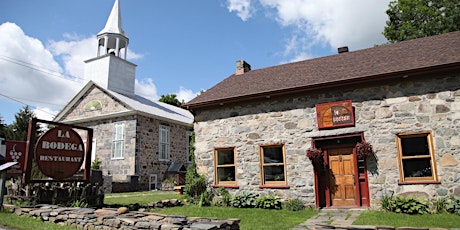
[{"x": 110, "y": 68}]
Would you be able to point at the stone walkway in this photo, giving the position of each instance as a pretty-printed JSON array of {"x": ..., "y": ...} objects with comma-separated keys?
[{"x": 333, "y": 219}]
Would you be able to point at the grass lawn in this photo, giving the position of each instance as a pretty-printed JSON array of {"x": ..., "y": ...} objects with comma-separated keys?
[
  {"x": 253, "y": 218},
  {"x": 404, "y": 220},
  {"x": 11, "y": 220},
  {"x": 139, "y": 197}
]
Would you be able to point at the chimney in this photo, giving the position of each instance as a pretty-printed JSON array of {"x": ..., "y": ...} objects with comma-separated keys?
[
  {"x": 242, "y": 67},
  {"x": 343, "y": 49}
]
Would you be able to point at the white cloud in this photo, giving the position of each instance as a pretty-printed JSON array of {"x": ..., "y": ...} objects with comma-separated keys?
[
  {"x": 29, "y": 72},
  {"x": 185, "y": 94},
  {"x": 242, "y": 7},
  {"x": 146, "y": 88},
  {"x": 74, "y": 50},
  {"x": 47, "y": 78},
  {"x": 355, "y": 23}
]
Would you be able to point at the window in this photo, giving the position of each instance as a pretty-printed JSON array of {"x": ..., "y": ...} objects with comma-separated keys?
[
  {"x": 273, "y": 165},
  {"x": 416, "y": 157},
  {"x": 225, "y": 166},
  {"x": 118, "y": 142},
  {"x": 164, "y": 142}
]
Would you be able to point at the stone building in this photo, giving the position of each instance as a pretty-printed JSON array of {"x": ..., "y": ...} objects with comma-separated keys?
[
  {"x": 135, "y": 138},
  {"x": 254, "y": 128}
]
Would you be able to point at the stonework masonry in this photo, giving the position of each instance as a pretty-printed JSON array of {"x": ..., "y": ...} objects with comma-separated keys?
[
  {"x": 141, "y": 146},
  {"x": 381, "y": 112}
]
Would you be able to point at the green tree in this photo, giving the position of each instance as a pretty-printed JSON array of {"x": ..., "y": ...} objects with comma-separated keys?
[
  {"x": 18, "y": 130},
  {"x": 409, "y": 19},
  {"x": 171, "y": 99}
]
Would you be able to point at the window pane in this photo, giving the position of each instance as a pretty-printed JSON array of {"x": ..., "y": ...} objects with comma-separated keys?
[
  {"x": 417, "y": 167},
  {"x": 415, "y": 146},
  {"x": 273, "y": 155},
  {"x": 225, "y": 174},
  {"x": 225, "y": 157},
  {"x": 274, "y": 173}
]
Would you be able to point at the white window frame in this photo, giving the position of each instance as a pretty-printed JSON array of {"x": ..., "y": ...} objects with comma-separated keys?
[
  {"x": 164, "y": 143},
  {"x": 118, "y": 141}
]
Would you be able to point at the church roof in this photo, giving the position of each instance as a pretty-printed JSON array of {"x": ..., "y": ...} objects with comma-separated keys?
[
  {"x": 135, "y": 105},
  {"x": 114, "y": 24},
  {"x": 385, "y": 62}
]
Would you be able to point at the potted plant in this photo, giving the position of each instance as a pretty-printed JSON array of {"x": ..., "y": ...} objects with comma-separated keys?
[
  {"x": 315, "y": 155},
  {"x": 364, "y": 149}
]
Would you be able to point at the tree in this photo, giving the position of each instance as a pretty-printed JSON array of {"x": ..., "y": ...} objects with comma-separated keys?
[
  {"x": 171, "y": 99},
  {"x": 409, "y": 19},
  {"x": 19, "y": 128}
]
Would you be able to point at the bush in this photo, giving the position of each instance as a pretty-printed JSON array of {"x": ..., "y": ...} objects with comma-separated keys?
[
  {"x": 453, "y": 205},
  {"x": 294, "y": 205},
  {"x": 268, "y": 202},
  {"x": 409, "y": 206},
  {"x": 222, "y": 197},
  {"x": 439, "y": 205},
  {"x": 195, "y": 187},
  {"x": 245, "y": 200},
  {"x": 205, "y": 199}
]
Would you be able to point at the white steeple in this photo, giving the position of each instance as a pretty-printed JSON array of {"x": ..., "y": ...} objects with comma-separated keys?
[
  {"x": 109, "y": 69},
  {"x": 112, "y": 39}
]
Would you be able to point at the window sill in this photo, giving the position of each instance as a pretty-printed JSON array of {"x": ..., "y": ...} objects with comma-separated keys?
[
  {"x": 275, "y": 186},
  {"x": 226, "y": 186},
  {"x": 118, "y": 158},
  {"x": 418, "y": 182}
]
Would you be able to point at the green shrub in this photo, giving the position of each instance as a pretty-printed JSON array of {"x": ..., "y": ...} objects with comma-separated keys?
[
  {"x": 453, "y": 205},
  {"x": 268, "y": 202},
  {"x": 96, "y": 164},
  {"x": 222, "y": 197},
  {"x": 410, "y": 206},
  {"x": 245, "y": 200},
  {"x": 387, "y": 202},
  {"x": 195, "y": 187},
  {"x": 439, "y": 205},
  {"x": 294, "y": 205},
  {"x": 205, "y": 199}
]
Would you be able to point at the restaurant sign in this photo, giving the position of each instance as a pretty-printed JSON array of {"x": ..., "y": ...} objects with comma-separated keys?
[
  {"x": 59, "y": 152},
  {"x": 335, "y": 114}
]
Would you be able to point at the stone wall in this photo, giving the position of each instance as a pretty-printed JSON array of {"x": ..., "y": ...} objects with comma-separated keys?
[
  {"x": 121, "y": 218},
  {"x": 381, "y": 112},
  {"x": 148, "y": 138}
]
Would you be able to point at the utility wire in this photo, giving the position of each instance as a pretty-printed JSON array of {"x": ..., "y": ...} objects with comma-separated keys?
[
  {"x": 48, "y": 72},
  {"x": 16, "y": 100}
]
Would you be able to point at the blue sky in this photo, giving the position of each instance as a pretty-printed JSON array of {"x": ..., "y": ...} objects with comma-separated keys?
[{"x": 179, "y": 46}]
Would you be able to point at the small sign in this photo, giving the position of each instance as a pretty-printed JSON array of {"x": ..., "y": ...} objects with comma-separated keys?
[
  {"x": 59, "y": 152},
  {"x": 15, "y": 152},
  {"x": 335, "y": 114}
]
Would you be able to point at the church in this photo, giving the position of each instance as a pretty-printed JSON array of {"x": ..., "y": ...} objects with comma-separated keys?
[{"x": 137, "y": 140}]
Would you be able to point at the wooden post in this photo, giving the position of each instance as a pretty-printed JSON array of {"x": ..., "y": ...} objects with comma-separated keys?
[{"x": 2, "y": 187}]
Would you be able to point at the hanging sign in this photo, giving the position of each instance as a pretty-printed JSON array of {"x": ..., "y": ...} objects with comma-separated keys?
[
  {"x": 59, "y": 152},
  {"x": 335, "y": 114},
  {"x": 15, "y": 152}
]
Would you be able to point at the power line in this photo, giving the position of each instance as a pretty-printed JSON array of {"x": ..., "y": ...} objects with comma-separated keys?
[
  {"x": 40, "y": 69},
  {"x": 16, "y": 100}
]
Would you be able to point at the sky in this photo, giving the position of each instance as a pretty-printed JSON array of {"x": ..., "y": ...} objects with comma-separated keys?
[{"x": 180, "y": 47}]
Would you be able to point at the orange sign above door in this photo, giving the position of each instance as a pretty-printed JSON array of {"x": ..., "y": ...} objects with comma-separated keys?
[{"x": 335, "y": 114}]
